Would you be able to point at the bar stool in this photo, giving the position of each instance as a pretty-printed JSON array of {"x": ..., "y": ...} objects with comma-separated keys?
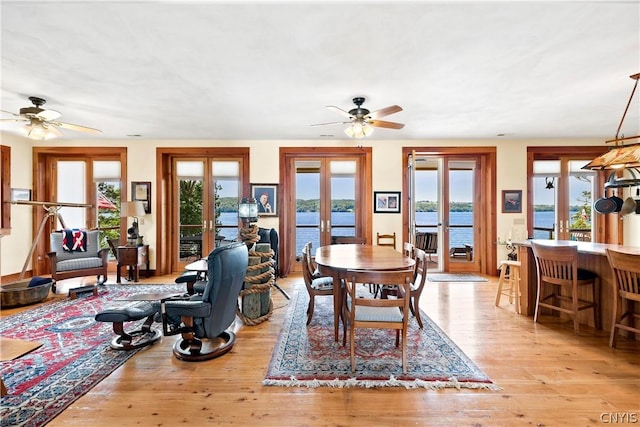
[
  {"x": 557, "y": 268},
  {"x": 509, "y": 276}
]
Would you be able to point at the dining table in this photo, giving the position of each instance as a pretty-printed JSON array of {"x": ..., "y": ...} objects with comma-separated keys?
[{"x": 336, "y": 260}]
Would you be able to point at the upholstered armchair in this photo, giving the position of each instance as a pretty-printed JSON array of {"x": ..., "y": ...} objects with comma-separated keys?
[
  {"x": 203, "y": 320},
  {"x": 75, "y": 262}
]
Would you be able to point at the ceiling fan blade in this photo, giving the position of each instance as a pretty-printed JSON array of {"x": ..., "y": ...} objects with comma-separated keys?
[
  {"x": 339, "y": 111},
  {"x": 385, "y": 124},
  {"x": 9, "y": 112},
  {"x": 15, "y": 120},
  {"x": 385, "y": 111},
  {"x": 331, "y": 123},
  {"x": 48, "y": 115},
  {"x": 77, "y": 127}
]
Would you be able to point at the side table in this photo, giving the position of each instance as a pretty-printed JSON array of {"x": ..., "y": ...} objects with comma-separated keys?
[{"x": 132, "y": 257}]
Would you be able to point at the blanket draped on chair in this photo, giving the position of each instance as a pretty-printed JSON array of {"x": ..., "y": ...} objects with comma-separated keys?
[{"x": 74, "y": 240}]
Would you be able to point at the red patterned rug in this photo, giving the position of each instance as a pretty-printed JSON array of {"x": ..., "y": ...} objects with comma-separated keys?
[
  {"x": 308, "y": 356},
  {"x": 74, "y": 357}
]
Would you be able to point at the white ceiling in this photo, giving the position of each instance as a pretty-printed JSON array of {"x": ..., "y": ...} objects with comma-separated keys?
[{"x": 266, "y": 70}]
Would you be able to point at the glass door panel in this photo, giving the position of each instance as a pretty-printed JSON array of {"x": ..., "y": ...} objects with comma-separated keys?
[
  {"x": 581, "y": 188},
  {"x": 307, "y": 183},
  {"x": 562, "y": 200},
  {"x": 459, "y": 218},
  {"x": 342, "y": 199},
  {"x": 226, "y": 190},
  {"x": 427, "y": 207},
  {"x": 190, "y": 189}
]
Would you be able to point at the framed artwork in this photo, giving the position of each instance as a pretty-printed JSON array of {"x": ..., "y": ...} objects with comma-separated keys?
[
  {"x": 386, "y": 202},
  {"x": 141, "y": 191},
  {"x": 267, "y": 197},
  {"x": 20, "y": 195},
  {"x": 511, "y": 201}
]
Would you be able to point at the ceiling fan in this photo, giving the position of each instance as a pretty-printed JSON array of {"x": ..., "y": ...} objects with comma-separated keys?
[
  {"x": 362, "y": 121},
  {"x": 43, "y": 124}
]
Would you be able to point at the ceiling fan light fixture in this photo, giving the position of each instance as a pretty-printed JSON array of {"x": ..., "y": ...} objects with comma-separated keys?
[
  {"x": 38, "y": 130},
  {"x": 359, "y": 129}
]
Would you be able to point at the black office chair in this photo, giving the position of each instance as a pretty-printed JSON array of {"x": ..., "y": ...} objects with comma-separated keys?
[{"x": 203, "y": 320}]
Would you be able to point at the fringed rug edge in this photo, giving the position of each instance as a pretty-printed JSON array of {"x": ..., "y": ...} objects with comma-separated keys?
[{"x": 391, "y": 382}]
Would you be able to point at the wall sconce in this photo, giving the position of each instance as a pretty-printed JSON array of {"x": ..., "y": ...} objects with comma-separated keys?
[
  {"x": 135, "y": 210},
  {"x": 619, "y": 156}
]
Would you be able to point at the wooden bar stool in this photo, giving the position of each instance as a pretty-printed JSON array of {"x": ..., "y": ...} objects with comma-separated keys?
[{"x": 509, "y": 283}]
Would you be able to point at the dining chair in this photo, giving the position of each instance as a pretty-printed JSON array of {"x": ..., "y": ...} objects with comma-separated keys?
[
  {"x": 316, "y": 285},
  {"x": 557, "y": 267},
  {"x": 386, "y": 239},
  {"x": 365, "y": 311},
  {"x": 626, "y": 274},
  {"x": 417, "y": 284},
  {"x": 408, "y": 249}
]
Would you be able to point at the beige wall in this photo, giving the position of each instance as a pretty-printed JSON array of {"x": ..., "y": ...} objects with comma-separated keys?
[{"x": 387, "y": 176}]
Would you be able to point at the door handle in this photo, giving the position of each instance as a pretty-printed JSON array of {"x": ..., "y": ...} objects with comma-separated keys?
[{"x": 321, "y": 226}]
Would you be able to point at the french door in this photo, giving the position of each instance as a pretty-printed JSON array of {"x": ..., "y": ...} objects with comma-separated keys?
[
  {"x": 207, "y": 192},
  {"x": 92, "y": 177},
  {"x": 326, "y": 195},
  {"x": 445, "y": 200},
  {"x": 562, "y": 194}
]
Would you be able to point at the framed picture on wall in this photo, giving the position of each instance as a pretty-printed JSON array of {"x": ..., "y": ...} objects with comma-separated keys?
[
  {"x": 141, "y": 191},
  {"x": 20, "y": 195},
  {"x": 386, "y": 202},
  {"x": 511, "y": 201},
  {"x": 267, "y": 197}
]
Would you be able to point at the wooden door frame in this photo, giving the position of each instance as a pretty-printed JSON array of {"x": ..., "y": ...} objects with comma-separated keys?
[
  {"x": 43, "y": 175},
  {"x": 606, "y": 228},
  {"x": 484, "y": 197},
  {"x": 287, "y": 214},
  {"x": 165, "y": 207}
]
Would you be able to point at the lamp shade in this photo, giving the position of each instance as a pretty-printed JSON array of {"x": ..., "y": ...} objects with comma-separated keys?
[
  {"x": 617, "y": 158},
  {"x": 248, "y": 209},
  {"x": 131, "y": 209}
]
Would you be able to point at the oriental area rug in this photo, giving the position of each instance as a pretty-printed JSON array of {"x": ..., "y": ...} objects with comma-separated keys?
[
  {"x": 461, "y": 277},
  {"x": 74, "y": 356},
  {"x": 307, "y": 356}
]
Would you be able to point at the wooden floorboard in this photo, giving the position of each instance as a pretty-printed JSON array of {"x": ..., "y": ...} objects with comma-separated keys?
[{"x": 549, "y": 377}]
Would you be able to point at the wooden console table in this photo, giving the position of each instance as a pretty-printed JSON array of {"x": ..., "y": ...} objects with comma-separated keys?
[
  {"x": 591, "y": 256},
  {"x": 132, "y": 257}
]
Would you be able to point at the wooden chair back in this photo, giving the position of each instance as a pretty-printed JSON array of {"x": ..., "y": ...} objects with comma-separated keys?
[
  {"x": 408, "y": 249},
  {"x": 365, "y": 311},
  {"x": 386, "y": 240},
  {"x": 626, "y": 274},
  {"x": 558, "y": 266}
]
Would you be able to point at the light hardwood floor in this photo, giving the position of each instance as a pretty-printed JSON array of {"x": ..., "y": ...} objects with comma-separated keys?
[{"x": 549, "y": 377}]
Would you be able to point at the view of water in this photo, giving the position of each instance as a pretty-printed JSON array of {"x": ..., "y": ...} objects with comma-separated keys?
[{"x": 343, "y": 226}]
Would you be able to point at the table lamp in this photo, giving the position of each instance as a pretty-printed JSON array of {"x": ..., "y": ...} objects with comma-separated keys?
[{"x": 135, "y": 210}]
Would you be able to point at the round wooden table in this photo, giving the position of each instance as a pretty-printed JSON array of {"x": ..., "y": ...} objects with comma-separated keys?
[{"x": 335, "y": 260}]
